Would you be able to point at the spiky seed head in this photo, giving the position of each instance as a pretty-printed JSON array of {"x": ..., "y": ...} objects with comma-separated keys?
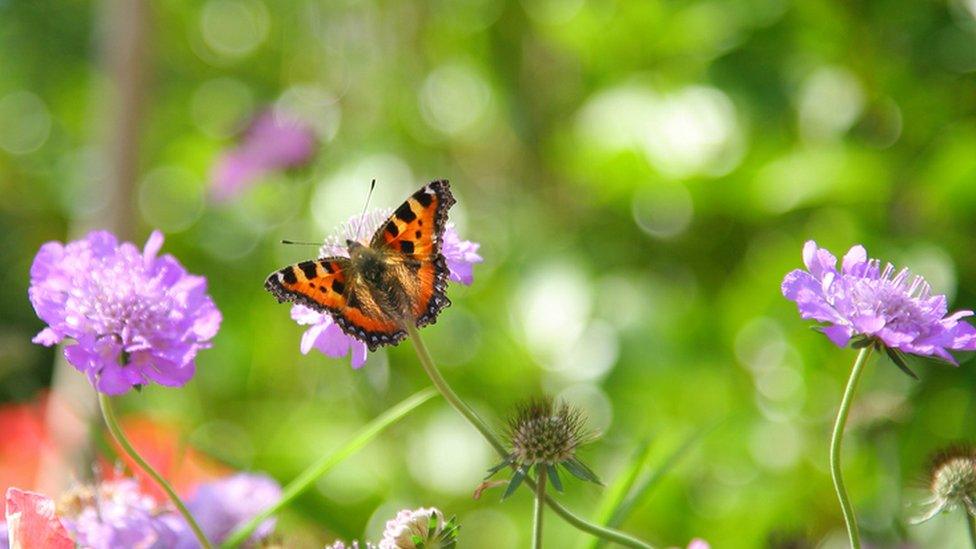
[
  {"x": 952, "y": 481},
  {"x": 545, "y": 432}
]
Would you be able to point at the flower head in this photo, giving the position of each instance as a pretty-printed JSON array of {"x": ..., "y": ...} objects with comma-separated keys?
[
  {"x": 952, "y": 482},
  {"x": 875, "y": 304},
  {"x": 545, "y": 435},
  {"x": 223, "y": 505},
  {"x": 323, "y": 333},
  {"x": 117, "y": 514},
  {"x": 134, "y": 317},
  {"x": 424, "y": 528},
  {"x": 274, "y": 141}
]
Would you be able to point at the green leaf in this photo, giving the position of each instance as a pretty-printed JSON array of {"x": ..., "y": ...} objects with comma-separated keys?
[
  {"x": 581, "y": 471},
  {"x": 513, "y": 484},
  {"x": 553, "y": 477},
  {"x": 647, "y": 485},
  {"x": 898, "y": 358},
  {"x": 505, "y": 463},
  {"x": 307, "y": 478}
]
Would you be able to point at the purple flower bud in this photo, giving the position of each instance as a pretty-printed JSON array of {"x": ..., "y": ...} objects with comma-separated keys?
[{"x": 134, "y": 317}]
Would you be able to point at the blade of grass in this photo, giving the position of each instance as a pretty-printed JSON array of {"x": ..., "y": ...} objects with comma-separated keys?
[
  {"x": 325, "y": 464},
  {"x": 617, "y": 491},
  {"x": 646, "y": 486}
]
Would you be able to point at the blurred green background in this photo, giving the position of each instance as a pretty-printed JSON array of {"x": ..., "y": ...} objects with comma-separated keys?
[{"x": 640, "y": 176}]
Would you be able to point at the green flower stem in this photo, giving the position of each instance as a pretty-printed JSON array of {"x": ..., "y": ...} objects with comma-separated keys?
[
  {"x": 971, "y": 523},
  {"x": 540, "y": 499},
  {"x": 835, "y": 442},
  {"x": 440, "y": 383},
  {"x": 113, "y": 426},
  {"x": 304, "y": 481}
]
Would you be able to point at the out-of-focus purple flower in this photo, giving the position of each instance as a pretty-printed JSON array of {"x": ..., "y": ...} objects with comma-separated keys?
[
  {"x": 274, "y": 141},
  {"x": 223, "y": 505},
  {"x": 134, "y": 317},
  {"x": 339, "y": 544},
  {"x": 117, "y": 514},
  {"x": 698, "y": 543},
  {"x": 424, "y": 527},
  {"x": 4, "y": 539},
  {"x": 864, "y": 299},
  {"x": 324, "y": 334}
]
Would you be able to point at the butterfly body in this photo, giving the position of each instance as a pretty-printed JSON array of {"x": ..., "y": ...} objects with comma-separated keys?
[{"x": 399, "y": 277}]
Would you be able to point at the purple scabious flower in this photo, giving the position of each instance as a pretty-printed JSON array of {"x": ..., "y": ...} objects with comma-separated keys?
[
  {"x": 117, "y": 514},
  {"x": 323, "y": 333},
  {"x": 223, "y": 505},
  {"x": 4, "y": 538},
  {"x": 880, "y": 304},
  {"x": 134, "y": 317},
  {"x": 274, "y": 141}
]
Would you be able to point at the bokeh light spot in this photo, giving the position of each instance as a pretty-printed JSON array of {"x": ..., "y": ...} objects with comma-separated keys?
[
  {"x": 234, "y": 28},
  {"x": 171, "y": 198},
  {"x": 663, "y": 211},
  {"x": 453, "y": 98},
  {"x": 25, "y": 123}
]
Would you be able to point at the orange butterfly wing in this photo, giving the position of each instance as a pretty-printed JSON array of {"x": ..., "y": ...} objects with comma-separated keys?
[
  {"x": 322, "y": 285},
  {"x": 413, "y": 235}
]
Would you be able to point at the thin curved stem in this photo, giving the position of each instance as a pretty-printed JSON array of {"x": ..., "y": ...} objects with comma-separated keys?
[
  {"x": 835, "y": 445},
  {"x": 105, "y": 403},
  {"x": 971, "y": 524},
  {"x": 440, "y": 383},
  {"x": 540, "y": 500},
  {"x": 325, "y": 464}
]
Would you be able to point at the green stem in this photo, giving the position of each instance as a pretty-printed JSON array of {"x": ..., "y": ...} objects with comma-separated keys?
[
  {"x": 540, "y": 500},
  {"x": 971, "y": 524},
  {"x": 304, "y": 481},
  {"x": 835, "y": 442},
  {"x": 113, "y": 426},
  {"x": 440, "y": 383}
]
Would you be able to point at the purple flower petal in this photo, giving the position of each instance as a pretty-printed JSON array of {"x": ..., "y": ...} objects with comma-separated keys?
[{"x": 888, "y": 304}]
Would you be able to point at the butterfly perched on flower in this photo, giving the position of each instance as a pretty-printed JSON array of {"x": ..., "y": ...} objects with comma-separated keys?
[{"x": 400, "y": 276}]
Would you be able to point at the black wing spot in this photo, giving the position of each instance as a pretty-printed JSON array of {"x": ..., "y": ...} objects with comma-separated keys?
[
  {"x": 288, "y": 275},
  {"x": 338, "y": 287},
  {"x": 419, "y": 234},
  {"x": 308, "y": 267},
  {"x": 404, "y": 213},
  {"x": 423, "y": 197},
  {"x": 326, "y": 266},
  {"x": 392, "y": 228},
  {"x": 406, "y": 247}
]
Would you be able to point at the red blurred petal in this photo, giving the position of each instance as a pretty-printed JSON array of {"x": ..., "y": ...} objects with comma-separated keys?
[
  {"x": 24, "y": 439},
  {"x": 160, "y": 444},
  {"x": 31, "y": 522}
]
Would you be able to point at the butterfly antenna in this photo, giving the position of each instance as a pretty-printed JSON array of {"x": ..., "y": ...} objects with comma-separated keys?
[
  {"x": 362, "y": 216},
  {"x": 283, "y": 241}
]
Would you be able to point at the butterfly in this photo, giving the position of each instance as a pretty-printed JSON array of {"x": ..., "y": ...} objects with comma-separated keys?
[{"x": 399, "y": 277}]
